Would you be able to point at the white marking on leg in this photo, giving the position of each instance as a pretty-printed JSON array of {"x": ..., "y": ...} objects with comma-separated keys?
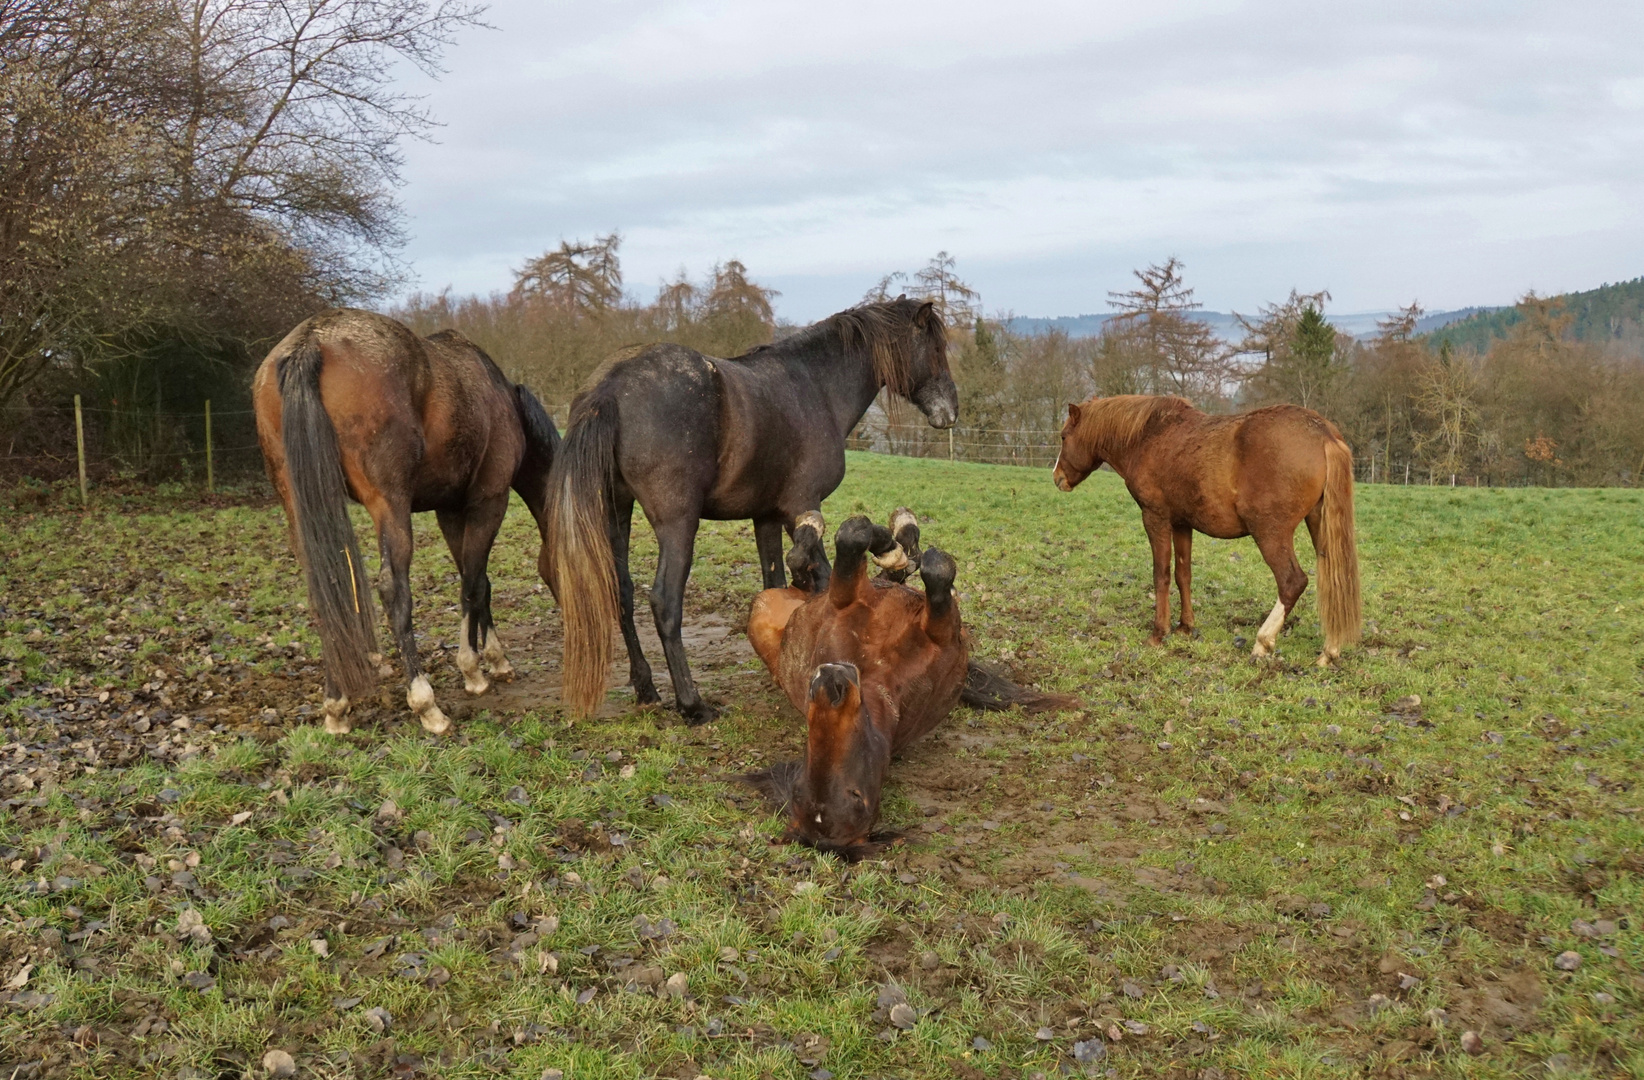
[
  {"x": 495, "y": 658},
  {"x": 421, "y": 699},
  {"x": 903, "y": 516},
  {"x": 813, "y": 518},
  {"x": 473, "y": 680},
  {"x": 336, "y": 716},
  {"x": 894, "y": 559},
  {"x": 1267, "y": 637}
]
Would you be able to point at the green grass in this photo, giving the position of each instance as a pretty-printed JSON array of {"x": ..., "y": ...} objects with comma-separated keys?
[{"x": 1233, "y": 857}]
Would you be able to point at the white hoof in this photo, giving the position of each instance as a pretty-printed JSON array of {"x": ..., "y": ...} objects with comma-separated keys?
[
  {"x": 433, "y": 721},
  {"x": 420, "y": 696},
  {"x": 384, "y": 668},
  {"x": 495, "y": 658},
  {"x": 475, "y": 683},
  {"x": 1259, "y": 651},
  {"x": 336, "y": 718}
]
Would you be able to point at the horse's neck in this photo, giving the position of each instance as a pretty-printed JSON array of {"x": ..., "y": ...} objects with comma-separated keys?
[{"x": 847, "y": 380}]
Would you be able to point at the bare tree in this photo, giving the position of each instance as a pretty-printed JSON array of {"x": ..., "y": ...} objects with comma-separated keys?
[
  {"x": 1447, "y": 395},
  {"x": 197, "y": 171},
  {"x": 578, "y": 277},
  {"x": 1182, "y": 354}
]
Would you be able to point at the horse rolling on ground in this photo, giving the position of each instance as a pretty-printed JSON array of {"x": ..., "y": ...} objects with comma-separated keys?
[
  {"x": 898, "y": 649},
  {"x": 873, "y": 665},
  {"x": 1259, "y": 474},
  {"x": 760, "y": 436},
  {"x": 354, "y": 405}
]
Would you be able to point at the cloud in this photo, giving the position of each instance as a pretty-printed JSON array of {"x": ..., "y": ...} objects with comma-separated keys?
[{"x": 1458, "y": 153}]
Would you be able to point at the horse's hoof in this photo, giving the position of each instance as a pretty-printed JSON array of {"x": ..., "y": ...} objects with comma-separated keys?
[
  {"x": 336, "y": 725},
  {"x": 433, "y": 721},
  {"x": 1259, "y": 651},
  {"x": 475, "y": 684},
  {"x": 1186, "y": 631},
  {"x": 1156, "y": 639},
  {"x": 699, "y": 714},
  {"x": 503, "y": 671},
  {"x": 647, "y": 695}
]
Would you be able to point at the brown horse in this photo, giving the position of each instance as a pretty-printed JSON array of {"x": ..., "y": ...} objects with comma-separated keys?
[
  {"x": 1259, "y": 474},
  {"x": 354, "y": 405},
  {"x": 873, "y": 665}
]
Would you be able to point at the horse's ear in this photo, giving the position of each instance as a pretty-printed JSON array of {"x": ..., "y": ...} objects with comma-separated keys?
[
  {"x": 1073, "y": 412},
  {"x": 901, "y": 296}
]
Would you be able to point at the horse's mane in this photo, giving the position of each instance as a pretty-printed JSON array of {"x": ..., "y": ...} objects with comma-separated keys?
[
  {"x": 1119, "y": 421},
  {"x": 886, "y": 333}
]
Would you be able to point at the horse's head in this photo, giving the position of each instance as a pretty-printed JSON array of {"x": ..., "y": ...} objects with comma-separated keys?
[
  {"x": 1077, "y": 459},
  {"x": 931, "y": 383},
  {"x": 836, "y": 799}
]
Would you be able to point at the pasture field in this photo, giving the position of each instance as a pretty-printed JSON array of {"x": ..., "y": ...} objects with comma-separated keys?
[{"x": 1218, "y": 868}]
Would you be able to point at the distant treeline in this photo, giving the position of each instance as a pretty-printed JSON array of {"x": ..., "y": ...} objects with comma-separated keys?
[
  {"x": 1610, "y": 315},
  {"x": 1534, "y": 405}
]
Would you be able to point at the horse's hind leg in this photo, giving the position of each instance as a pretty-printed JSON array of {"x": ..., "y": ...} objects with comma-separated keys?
[
  {"x": 1182, "y": 540},
  {"x": 676, "y": 540},
  {"x": 470, "y": 536},
  {"x": 1279, "y": 551},
  {"x": 454, "y": 526},
  {"x": 639, "y": 669},
  {"x": 394, "y": 585}
]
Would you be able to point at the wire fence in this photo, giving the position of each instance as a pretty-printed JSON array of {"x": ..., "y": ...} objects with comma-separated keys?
[
  {"x": 142, "y": 444},
  {"x": 193, "y": 448},
  {"x": 1039, "y": 448}
]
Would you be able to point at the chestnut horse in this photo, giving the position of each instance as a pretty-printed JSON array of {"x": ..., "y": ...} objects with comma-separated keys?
[
  {"x": 760, "y": 436},
  {"x": 1259, "y": 474},
  {"x": 872, "y": 664},
  {"x": 352, "y": 404}
]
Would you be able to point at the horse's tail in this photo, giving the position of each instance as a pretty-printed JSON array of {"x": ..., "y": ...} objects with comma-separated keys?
[
  {"x": 577, "y": 561},
  {"x": 1340, "y": 607},
  {"x": 338, "y": 595},
  {"x": 541, "y": 436},
  {"x": 988, "y": 686}
]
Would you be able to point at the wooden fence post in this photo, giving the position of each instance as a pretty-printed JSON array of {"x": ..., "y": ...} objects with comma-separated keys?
[
  {"x": 210, "y": 478},
  {"x": 80, "y": 444}
]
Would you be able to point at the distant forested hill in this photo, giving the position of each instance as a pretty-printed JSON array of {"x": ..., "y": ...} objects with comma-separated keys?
[{"x": 1609, "y": 313}]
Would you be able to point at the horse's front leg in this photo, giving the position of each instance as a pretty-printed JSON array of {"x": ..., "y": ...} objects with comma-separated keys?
[
  {"x": 1182, "y": 540},
  {"x": 1159, "y": 537},
  {"x": 676, "y": 542},
  {"x": 768, "y": 538}
]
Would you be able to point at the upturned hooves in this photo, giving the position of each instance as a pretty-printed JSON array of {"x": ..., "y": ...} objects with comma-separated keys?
[{"x": 698, "y": 714}]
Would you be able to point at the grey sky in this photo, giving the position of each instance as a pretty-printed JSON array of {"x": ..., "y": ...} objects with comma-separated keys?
[{"x": 1458, "y": 153}]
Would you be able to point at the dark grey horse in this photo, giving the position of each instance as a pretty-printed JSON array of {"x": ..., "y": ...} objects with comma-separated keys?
[{"x": 760, "y": 436}]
